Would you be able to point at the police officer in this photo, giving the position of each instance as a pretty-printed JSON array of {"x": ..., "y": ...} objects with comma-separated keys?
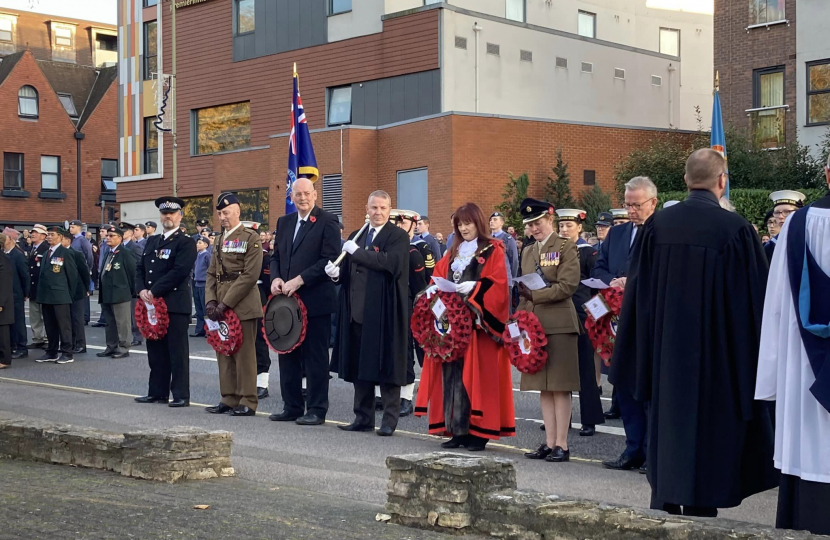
[
  {"x": 231, "y": 285},
  {"x": 80, "y": 295},
  {"x": 163, "y": 271},
  {"x": 39, "y": 247},
  {"x": 117, "y": 295},
  {"x": 56, "y": 282}
]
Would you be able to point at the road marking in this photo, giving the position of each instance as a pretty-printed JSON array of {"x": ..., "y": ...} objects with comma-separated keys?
[{"x": 611, "y": 430}]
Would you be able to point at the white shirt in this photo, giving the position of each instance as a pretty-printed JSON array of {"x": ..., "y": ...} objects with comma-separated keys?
[
  {"x": 167, "y": 234},
  {"x": 52, "y": 250},
  {"x": 300, "y": 221},
  {"x": 374, "y": 236},
  {"x": 230, "y": 231},
  {"x": 633, "y": 235}
]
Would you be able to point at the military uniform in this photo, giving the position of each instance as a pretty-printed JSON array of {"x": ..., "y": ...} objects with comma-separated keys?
[
  {"x": 35, "y": 312},
  {"x": 57, "y": 281},
  {"x": 116, "y": 298}
]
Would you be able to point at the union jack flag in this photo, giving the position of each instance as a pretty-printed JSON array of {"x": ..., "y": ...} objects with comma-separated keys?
[{"x": 301, "y": 160}]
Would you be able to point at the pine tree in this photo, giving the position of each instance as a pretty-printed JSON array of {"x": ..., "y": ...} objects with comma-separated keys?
[
  {"x": 514, "y": 193},
  {"x": 558, "y": 189},
  {"x": 594, "y": 201}
]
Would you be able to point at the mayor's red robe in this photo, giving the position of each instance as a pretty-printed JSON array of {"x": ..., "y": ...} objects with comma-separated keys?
[{"x": 475, "y": 394}]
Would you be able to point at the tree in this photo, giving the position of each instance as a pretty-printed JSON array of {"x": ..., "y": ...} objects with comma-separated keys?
[
  {"x": 558, "y": 189},
  {"x": 594, "y": 201},
  {"x": 514, "y": 193}
]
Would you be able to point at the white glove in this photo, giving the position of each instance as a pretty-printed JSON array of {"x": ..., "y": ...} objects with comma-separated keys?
[
  {"x": 466, "y": 287},
  {"x": 332, "y": 271},
  {"x": 350, "y": 247},
  {"x": 432, "y": 289}
]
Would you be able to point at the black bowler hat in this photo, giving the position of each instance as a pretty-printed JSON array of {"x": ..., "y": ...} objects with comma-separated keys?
[
  {"x": 533, "y": 209},
  {"x": 605, "y": 219},
  {"x": 225, "y": 200},
  {"x": 283, "y": 322},
  {"x": 152, "y": 224},
  {"x": 169, "y": 204}
]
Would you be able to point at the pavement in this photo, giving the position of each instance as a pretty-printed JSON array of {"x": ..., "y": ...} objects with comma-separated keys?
[{"x": 322, "y": 459}]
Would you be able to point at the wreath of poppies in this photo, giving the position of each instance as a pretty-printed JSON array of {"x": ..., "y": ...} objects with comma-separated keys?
[
  {"x": 303, "y": 319},
  {"x": 531, "y": 338},
  {"x": 457, "y": 324},
  {"x": 148, "y": 329},
  {"x": 603, "y": 332},
  {"x": 231, "y": 328}
]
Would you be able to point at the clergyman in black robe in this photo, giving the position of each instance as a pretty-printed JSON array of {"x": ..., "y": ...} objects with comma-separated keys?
[{"x": 688, "y": 344}]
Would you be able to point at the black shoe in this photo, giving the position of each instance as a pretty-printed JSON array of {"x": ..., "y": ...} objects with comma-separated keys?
[
  {"x": 198, "y": 334},
  {"x": 179, "y": 403},
  {"x": 611, "y": 414},
  {"x": 150, "y": 399},
  {"x": 357, "y": 427},
  {"x": 542, "y": 427},
  {"x": 599, "y": 388},
  {"x": 47, "y": 358},
  {"x": 79, "y": 350},
  {"x": 643, "y": 469},
  {"x": 385, "y": 431},
  {"x": 65, "y": 359},
  {"x": 261, "y": 393},
  {"x": 98, "y": 324},
  {"x": 135, "y": 343},
  {"x": 587, "y": 431},
  {"x": 219, "y": 409},
  {"x": 284, "y": 417},
  {"x": 106, "y": 352},
  {"x": 121, "y": 354},
  {"x": 243, "y": 410},
  {"x": 406, "y": 407},
  {"x": 36, "y": 346},
  {"x": 310, "y": 420},
  {"x": 378, "y": 404},
  {"x": 455, "y": 442},
  {"x": 22, "y": 353},
  {"x": 475, "y": 444},
  {"x": 541, "y": 453},
  {"x": 623, "y": 463},
  {"x": 559, "y": 455}
]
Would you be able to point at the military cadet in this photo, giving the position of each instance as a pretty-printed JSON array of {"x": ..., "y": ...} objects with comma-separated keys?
[
  {"x": 117, "y": 294},
  {"x": 163, "y": 271},
  {"x": 128, "y": 242},
  {"x": 39, "y": 247},
  {"x": 201, "y": 224},
  {"x": 56, "y": 283},
  {"x": 140, "y": 235},
  {"x": 151, "y": 228},
  {"x": 620, "y": 216},
  {"x": 231, "y": 285},
  {"x": 784, "y": 203},
  {"x": 79, "y": 295},
  {"x": 603, "y": 224}
]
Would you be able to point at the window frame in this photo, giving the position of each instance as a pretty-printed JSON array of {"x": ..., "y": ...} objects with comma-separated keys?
[
  {"x": 593, "y": 15},
  {"x": 330, "y": 101},
  {"x": 194, "y": 123},
  {"x": 757, "y": 24},
  {"x": 146, "y": 56},
  {"x": 150, "y": 3},
  {"x": 410, "y": 204},
  {"x": 756, "y": 85},
  {"x": 104, "y": 187},
  {"x": 56, "y": 174},
  {"x": 21, "y": 172},
  {"x": 148, "y": 126},
  {"x": 72, "y": 101},
  {"x": 524, "y": 11},
  {"x": 36, "y": 99},
  {"x": 660, "y": 39},
  {"x": 71, "y": 39},
  {"x": 237, "y": 18},
  {"x": 351, "y": 7},
  {"x": 824, "y": 62},
  {"x": 10, "y": 31}
]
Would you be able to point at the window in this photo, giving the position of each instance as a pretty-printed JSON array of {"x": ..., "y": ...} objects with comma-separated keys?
[
  {"x": 656, "y": 80},
  {"x": 68, "y": 104},
  {"x": 670, "y": 41},
  {"x": 151, "y": 147},
  {"x": 460, "y": 42},
  {"x": 109, "y": 170},
  {"x": 150, "y": 3},
  {"x": 12, "y": 171},
  {"x": 587, "y": 24},
  {"x": 253, "y": 205},
  {"x": 494, "y": 49},
  {"x": 218, "y": 129},
  {"x": 50, "y": 173},
  {"x": 768, "y": 122},
  {"x": 150, "y": 49},
  {"x": 27, "y": 102},
  {"x": 340, "y": 106},
  {"x": 413, "y": 188},
  {"x": 765, "y": 11},
  {"x": 245, "y": 20},
  {"x": 587, "y": 67},
  {"x": 561, "y": 62},
  {"x": 589, "y": 178},
  {"x": 526, "y": 56},
  {"x": 341, "y": 6},
  {"x": 768, "y": 88},
  {"x": 515, "y": 10},
  {"x": 818, "y": 92},
  {"x": 106, "y": 42},
  {"x": 333, "y": 194},
  {"x": 6, "y": 30},
  {"x": 63, "y": 37},
  {"x": 428, "y": 2},
  {"x": 619, "y": 73}
]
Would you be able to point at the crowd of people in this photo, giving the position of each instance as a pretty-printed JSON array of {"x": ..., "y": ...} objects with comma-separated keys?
[{"x": 714, "y": 326}]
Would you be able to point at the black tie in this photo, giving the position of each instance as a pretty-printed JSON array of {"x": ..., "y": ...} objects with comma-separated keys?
[
  {"x": 369, "y": 238},
  {"x": 297, "y": 236}
]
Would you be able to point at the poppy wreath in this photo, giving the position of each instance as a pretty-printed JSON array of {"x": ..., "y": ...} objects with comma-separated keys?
[
  {"x": 449, "y": 346},
  {"x": 603, "y": 332},
  {"x": 233, "y": 342},
  {"x": 151, "y": 331},
  {"x": 303, "y": 318},
  {"x": 529, "y": 325}
]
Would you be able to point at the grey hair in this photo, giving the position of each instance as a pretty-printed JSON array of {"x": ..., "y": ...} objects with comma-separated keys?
[
  {"x": 381, "y": 195},
  {"x": 644, "y": 183},
  {"x": 726, "y": 204},
  {"x": 14, "y": 234}
]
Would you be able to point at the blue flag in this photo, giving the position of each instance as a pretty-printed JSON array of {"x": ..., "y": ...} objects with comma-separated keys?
[
  {"x": 718, "y": 141},
  {"x": 301, "y": 160}
]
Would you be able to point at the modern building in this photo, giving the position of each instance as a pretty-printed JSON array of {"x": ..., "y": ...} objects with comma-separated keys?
[
  {"x": 58, "y": 112},
  {"x": 435, "y": 102}
]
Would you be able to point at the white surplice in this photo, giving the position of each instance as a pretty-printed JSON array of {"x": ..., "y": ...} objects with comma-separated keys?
[{"x": 802, "y": 426}]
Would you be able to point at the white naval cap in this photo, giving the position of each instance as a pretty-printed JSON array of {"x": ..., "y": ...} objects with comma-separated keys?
[
  {"x": 571, "y": 214},
  {"x": 787, "y": 196}
]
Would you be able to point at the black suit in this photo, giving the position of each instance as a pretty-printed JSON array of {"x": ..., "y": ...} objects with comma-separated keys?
[
  {"x": 79, "y": 299},
  {"x": 6, "y": 307},
  {"x": 316, "y": 243},
  {"x": 137, "y": 250},
  {"x": 57, "y": 282},
  {"x": 35, "y": 311},
  {"x": 21, "y": 292}
]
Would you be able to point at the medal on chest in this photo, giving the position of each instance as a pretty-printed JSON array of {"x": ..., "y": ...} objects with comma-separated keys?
[
  {"x": 57, "y": 263},
  {"x": 234, "y": 246},
  {"x": 550, "y": 259},
  {"x": 164, "y": 253}
]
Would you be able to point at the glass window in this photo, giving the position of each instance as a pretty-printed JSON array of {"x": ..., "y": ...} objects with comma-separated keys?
[
  {"x": 428, "y": 2},
  {"x": 151, "y": 147},
  {"x": 818, "y": 92},
  {"x": 670, "y": 41},
  {"x": 587, "y": 24},
  {"x": 12, "y": 170},
  {"x": 769, "y": 88},
  {"x": 68, "y": 104},
  {"x": 340, "y": 6},
  {"x": 227, "y": 127},
  {"x": 413, "y": 187},
  {"x": 150, "y": 49},
  {"x": 197, "y": 208},
  {"x": 5, "y": 30},
  {"x": 340, "y": 106},
  {"x": 27, "y": 101},
  {"x": 50, "y": 173},
  {"x": 253, "y": 205},
  {"x": 245, "y": 20},
  {"x": 109, "y": 170},
  {"x": 63, "y": 37},
  {"x": 105, "y": 42},
  {"x": 515, "y": 10},
  {"x": 766, "y": 11},
  {"x": 150, "y": 3}
]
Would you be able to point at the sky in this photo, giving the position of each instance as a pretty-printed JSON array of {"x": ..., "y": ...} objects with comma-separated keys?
[{"x": 89, "y": 10}]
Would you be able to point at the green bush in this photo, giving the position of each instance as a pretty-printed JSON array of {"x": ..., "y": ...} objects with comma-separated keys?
[
  {"x": 558, "y": 189},
  {"x": 594, "y": 201},
  {"x": 514, "y": 193}
]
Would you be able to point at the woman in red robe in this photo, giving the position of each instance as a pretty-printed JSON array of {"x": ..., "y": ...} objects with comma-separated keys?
[{"x": 471, "y": 399}]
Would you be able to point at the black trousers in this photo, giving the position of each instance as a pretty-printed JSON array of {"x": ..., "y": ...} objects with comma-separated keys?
[
  {"x": 18, "y": 331},
  {"x": 5, "y": 344},
  {"x": 312, "y": 360},
  {"x": 136, "y": 333},
  {"x": 57, "y": 320},
  {"x": 86, "y": 310},
  {"x": 802, "y": 505},
  {"x": 169, "y": 359},
  {"x": 76, "y": 311},
  {"x": 364, "y": 391},
  {"x": 263, "y": 360},
  {"x": 590, "y": 406}
]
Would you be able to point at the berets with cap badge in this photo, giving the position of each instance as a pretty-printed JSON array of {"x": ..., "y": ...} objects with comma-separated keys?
[
  {"x": 202, "y": 223},
  {"x": 533, "y": 209},
  {"x": 117, "y": 230},
  {"x": 571, "y": 214},
  {"x": 151, "y": 224},
  {"x": 787, "y": 196},
  {"x": 605, "y": 219},
  {"x": 225, "y": 200},
  {"x": 141, "y": 226},
  {"x": 76, "y": 222},
  {"x": 169, "y": 204},
  {"x": 496, "y": 214},
  {"x": 59, "y": 230}
]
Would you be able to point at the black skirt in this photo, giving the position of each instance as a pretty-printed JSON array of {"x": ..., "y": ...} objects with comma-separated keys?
[{"x": 802, "y": 505}]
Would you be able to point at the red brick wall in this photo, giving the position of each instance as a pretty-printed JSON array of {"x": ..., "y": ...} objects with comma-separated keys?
[{"x": 100, "y": 142}]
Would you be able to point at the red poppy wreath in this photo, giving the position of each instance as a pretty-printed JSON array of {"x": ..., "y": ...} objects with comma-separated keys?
[
  {"x": 526, "y": 342},
  {"x": 227, "y": 338},
  {"x": 603, "y": 332},
  {"x": 443, "y": 339},
  {"x": 152, "y": 325}
]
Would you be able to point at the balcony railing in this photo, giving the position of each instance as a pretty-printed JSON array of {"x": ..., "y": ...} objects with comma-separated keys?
[{"x": 768, "y": 126}]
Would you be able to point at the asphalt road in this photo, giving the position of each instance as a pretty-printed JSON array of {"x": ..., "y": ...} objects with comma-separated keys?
[{"x": 97, "y": 392}]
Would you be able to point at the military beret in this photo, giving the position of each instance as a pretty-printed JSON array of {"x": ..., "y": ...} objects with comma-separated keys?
[
  {"x": 225, "y": 200},
  {"x": 60, "y": 230},
  {"x": 117, "y": 230},
  {"x": 151, "y": 224},
  {"x": 140, "y": 226},
  {"x": 76, "y": 222}
]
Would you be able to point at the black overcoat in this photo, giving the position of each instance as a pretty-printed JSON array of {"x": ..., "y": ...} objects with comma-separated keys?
[
  {"x": 58, "y": 277},
  {"x": 82, "y": 275},
  {"x": 6, "y": 294}
]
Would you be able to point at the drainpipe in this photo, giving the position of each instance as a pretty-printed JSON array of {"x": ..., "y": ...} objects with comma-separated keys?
[
  {"x": 672, "y": 69},
  {"x": 173, "y": 106},
  {"x": 78, "y": 138},
  {"x": 476, "y": 29}
]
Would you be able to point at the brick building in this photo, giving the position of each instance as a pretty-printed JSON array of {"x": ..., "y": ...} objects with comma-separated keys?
[{"x": 58, "y": 111}]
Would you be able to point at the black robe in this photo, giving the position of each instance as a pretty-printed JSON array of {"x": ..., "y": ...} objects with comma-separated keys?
[
  {"x": 688, "y": 343},
  {"x": 385, "y": 334}
]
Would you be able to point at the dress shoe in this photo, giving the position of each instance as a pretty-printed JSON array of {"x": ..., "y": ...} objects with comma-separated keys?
[
  {"x": 456, "y": 442},
  {"x": 21, "y": 353},
  {"x": 98, "y": 324},
  {"x": 357, "y": 427},
  {"x": 135, "y": 343},
  {"x": 284, "y": 417},
  {"x": 599, "y": 388},
  {"x": 243, "y": 410},
  {"x": 179, "y": 403},
  {"x": 106, "y": 352},
  {"x": 587, "y": 431},
  {"x": 643, "y": 469},
  {"x": 79, "y": 350},
  {"x": 150, "y": 399},
  {"x": 541, "y": 453},
  {"x": 378, "y": 404},
  {"x": 542, "y": 427},
  {"x": 476, "y": 444},
  {"x": 623, "y": 463},
  {"x": 261, "y": 393},
  {"x": 611, "y": 414},
  {"x": 36, "y": 346},
  {"x": 121, "y": 354},
  {"x": 219, "y": 409},
  {"x": 558, "y": 455},
  {"x": 385, "y": 431},
  {"x": 65, "y": 359},
  {"x": 47, "y": 358},
  {"x": 198, "y": 334},
  {"x": 310, "y": 420},
  {"x": 406, "y": 407}
]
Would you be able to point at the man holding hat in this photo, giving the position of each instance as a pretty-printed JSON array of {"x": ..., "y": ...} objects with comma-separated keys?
[
  {"x": 39, "y": 248},
  {"x": 56, "y": 283},
  {"x": 80, "y": 295},
  {"x": 604, "y": 223},
  {"x": 163, "y": 271},
  {"x": 784, "y": 203},
  {"x": 231, "y": 286},
  {"x": 117, "y": 295}
]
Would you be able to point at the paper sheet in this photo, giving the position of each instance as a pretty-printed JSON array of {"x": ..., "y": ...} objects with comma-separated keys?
[
  {"x": 595, "y": 283},
  {"x": 534, "y": 282},
  {"x": 438, "y": 309},
  {"x": 597, "y": 307},
  {"x": 444, "y": 285}
]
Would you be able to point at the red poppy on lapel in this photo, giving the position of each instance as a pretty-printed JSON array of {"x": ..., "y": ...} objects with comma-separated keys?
[
  {"x": 377, "y": 249},
  {"x": 312, "y": 219},
  {"x": 480, "y": 260}
]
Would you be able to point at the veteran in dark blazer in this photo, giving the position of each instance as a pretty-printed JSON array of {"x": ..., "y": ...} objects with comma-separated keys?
[
  {"x": 39, "y": 247},
  {"x": 20, "y": 289},
  {"x": 117, "y": 295},
  {"x": 6, "y": 305},
  {"x": 138, "y": 250},
  {"x": 79, "y": 296},
  {"x": 56, "y": 284}
]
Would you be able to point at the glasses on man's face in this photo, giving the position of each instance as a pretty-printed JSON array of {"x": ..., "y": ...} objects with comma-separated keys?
[
  {"x": 782, "y": 213},
  {"x": 302, "y": 194},
  {"x": 636, "y": 206}
]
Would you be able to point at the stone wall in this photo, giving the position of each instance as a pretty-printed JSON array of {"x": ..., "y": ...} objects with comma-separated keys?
[
  {"x": 167, "y": 455},
  {"x": 477, "y": 495}
]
